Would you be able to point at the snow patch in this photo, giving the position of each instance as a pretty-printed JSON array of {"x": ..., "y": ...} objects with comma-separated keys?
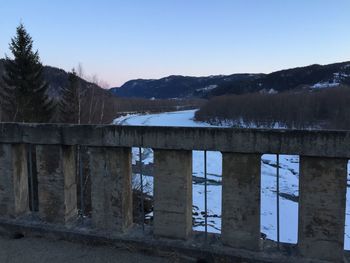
[
  {"x": 323, "y": 85},
  {"x": 175, "y": 118},
  {"x": 270, "y": 91},
  {"x": 207, "y": 88}
]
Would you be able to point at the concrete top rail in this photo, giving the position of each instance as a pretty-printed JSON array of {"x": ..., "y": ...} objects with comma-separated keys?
[{"x": 302, "y": 142}]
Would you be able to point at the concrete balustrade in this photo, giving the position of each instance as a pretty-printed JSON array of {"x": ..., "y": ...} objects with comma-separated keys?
[
  {"x": 173, "y": 193},
  {"x": 322, "y": 207},
  {"x": 241, "y": 200},
  {"x": 323, "y": 173},
  {"x": 13, "y": 180},
  {"x": 111, "y": 195},
  {"x": 56, "y": 167}
]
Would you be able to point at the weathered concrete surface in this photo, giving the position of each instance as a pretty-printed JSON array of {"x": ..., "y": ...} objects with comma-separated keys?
[
  {"x": 310, "y": 143},
  {"x": 56, "y": 168},
  {"x": 13, "y": 180},
  {"x": 38, "y": 250},
  {"x": 322, "y": 208},
  {"x": 241, "y": 200},
  {"x": 111, "y": 194},
  {"x": 172, "y": 193},
  {"x": 173, "y": 249},
  {"x": 322, "y": 181}
]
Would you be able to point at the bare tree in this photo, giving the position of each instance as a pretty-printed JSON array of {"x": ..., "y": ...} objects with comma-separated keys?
[
  {"x": 102, "y": 111},
  {"x": 80, "y": 73},
  {"x": 94, "y": 79},
  {"x": 96, "y": 99},
  {"x": 326, "y": 108}
]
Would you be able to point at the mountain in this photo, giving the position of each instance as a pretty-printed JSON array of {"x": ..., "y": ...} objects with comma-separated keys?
[
  {"x": 57, "y": 79},
  {"x": 177, "y": 86},
  {"x": 309, "y": 77}
]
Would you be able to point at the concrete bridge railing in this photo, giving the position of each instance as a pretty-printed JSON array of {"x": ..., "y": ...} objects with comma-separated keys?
[{"x": 323, "y": 179}]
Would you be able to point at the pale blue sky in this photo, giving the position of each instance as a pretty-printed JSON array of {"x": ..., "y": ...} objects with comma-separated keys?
[{"x": 122, "y": 40}]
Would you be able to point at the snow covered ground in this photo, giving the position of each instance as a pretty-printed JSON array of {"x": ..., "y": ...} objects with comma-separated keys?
[
  {"x": 176, "y": 118},
  {"x": 289, "y": 182}
]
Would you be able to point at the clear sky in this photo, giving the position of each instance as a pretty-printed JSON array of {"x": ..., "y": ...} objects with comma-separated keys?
[{"x": 119, "y": 40}]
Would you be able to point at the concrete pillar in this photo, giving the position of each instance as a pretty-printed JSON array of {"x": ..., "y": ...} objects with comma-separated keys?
[
  {"x": 322, "y": 201},
  {"x": 241, "y": 200},
  {"x": 57, "y": 192},
  {"x": 172, "y": 193},
  {"x": 13, "y": 180},
  {"x": 111, "y": 194}
]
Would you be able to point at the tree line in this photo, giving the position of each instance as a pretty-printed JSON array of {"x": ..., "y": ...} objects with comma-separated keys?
[
  {"x": 24, "y": 93},
  {"x": 322, "y": 109},
  {"x": 25, "y": 97}
]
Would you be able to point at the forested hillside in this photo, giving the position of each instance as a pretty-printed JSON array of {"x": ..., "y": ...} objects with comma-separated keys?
[
  {"x": 97, "y": 104},
  {"x": 177, "y": 86},
  {"x": 57, "y": 79},
  {"x": 319, "y": 109},
  {"x": 309, "y": 77}
]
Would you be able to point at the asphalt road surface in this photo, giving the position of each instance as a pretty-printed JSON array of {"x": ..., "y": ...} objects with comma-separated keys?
[{"x": 37, "y": 250}]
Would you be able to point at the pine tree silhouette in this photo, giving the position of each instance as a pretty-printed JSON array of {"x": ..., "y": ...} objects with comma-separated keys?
[
  {"x": 25, "y": 91},
  {"x": 69, "y": 102}
]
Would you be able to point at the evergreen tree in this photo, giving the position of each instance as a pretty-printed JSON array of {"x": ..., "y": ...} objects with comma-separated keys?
[
  {"x": 70, "y": 100},
  {"x": 3, "y": 101},
  {"x": 25, "y": 89}
]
